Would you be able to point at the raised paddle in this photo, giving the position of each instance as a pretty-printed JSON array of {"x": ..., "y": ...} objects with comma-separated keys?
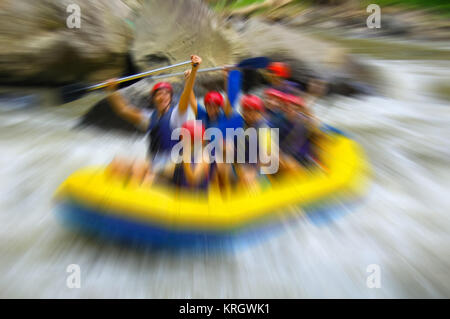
[
  {"x": 234, "y": 86},
  {"x": 73, "y": 92},
  {"x": 259, "y": 62},
  {"x": 251, "y": 63}
]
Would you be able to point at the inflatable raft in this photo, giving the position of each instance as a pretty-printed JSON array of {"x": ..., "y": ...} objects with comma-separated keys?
[{"x": 97, "y": 202}]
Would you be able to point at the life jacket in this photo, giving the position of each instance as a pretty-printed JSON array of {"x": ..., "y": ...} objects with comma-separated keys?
[
  {"x": 160, "y": 133},
  {"x": 248, "y": 157},
  {"x": 278, "y": 120},
  {"x": 222, "y": 122},
  {"x": 180, "y": 180},
  {"x": 289, "y": 87}
]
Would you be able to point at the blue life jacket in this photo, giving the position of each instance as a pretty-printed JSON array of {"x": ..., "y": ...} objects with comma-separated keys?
[
  {"x": 260, "y": 124},
  {"x": 289, "y": 87},
  {"x": 180, "y": 180},
  {"x": 160, "y": 133},
  {"x": 279, "y": 120},
  {"x": 222, "y": 122}
]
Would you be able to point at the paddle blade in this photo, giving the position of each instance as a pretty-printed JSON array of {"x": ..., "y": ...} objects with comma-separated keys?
[
  {"x": 234, "y": 86},
  {"x": 259, "y": 62},
  {"x": 72, "y": 92}
]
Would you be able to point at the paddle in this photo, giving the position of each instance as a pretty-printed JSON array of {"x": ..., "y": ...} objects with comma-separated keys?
[
  {"x": 251, "y": 63},
  {"x": 73, "y": 92},
  {"x": 235, "y": 76},
  {"x": 234, "y": 86},
  {"x": 260, "y": 62}
]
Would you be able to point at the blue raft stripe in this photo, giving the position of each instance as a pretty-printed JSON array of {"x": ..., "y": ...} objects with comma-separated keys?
[
  {"x": 112, "y": 226},
  {"x": 331, "y": 129}
]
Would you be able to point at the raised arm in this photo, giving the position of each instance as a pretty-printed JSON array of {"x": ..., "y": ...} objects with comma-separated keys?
[
  {"x": 120, "y": 106},
  {"x": 189, "y": 85},
  {"x": 192, "y": 98}
]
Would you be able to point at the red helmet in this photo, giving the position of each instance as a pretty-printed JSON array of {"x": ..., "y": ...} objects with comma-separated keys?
[
  {"x": 162, "y": 85},
  {"x": 195, "y": 128},
  {"x": 275, "y": 93},
  {"x": 296, "y": 100},
  {"x": 280, "y": 69},
  {"x": 213, "y": 97},
  {"x": 252, "y": 102}
]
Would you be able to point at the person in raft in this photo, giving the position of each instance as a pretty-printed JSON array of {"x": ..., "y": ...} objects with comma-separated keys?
[
  {"x": 159, "y": 124},
  {"x": 218, "y": 112},
  {"x": 253, "y": 113},
  {"x": 189, "y": 173},
  {"x": 278, "y": 74}
]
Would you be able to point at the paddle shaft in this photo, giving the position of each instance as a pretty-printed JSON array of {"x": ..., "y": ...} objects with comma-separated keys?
[
  {"x": 163, "y": 76},
  {"x": 252, "y": 63},
  {"x": 73, "y": 92},
  {"x": 137, "y": 76}
]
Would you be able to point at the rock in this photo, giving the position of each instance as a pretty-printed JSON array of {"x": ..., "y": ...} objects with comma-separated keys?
[
  {"x": 14, "y": 101},
  {"x": 169, "y": 31},
  {"x": 37, "y": 47},
  {"x": 101, "y": 116},
  {"x": 392, "y": 25},
  {"x": 307, "y": 56}
]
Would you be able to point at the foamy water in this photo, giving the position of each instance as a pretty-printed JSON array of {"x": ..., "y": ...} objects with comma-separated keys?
[{"x": 402, "y": 224}]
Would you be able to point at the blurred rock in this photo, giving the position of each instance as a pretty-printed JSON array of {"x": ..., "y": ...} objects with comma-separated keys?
[
  {"x": 169, "y": 31},
  {"x": 278, "y": 42},
  {"x": 307, "y": 56},
  {"x": 14, "y": 101},
  {"x": 349, "y": 19},
  {"x": 37, "y": 47}
]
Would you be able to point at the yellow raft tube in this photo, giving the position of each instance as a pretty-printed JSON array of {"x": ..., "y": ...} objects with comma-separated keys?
[{"x": 97, "y": 202}]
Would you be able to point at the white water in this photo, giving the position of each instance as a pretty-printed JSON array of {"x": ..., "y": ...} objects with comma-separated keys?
[{"x": 402, "y": 225}]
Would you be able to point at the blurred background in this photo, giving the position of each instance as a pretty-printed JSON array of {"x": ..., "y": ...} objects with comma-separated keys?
[{"x": 388, "y": 87}]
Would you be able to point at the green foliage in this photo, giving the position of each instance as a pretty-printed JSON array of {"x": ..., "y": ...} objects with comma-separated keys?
[
  {"x": 244, "y": 3},
  {"x": 232, "y": 4},
  {"x": 442, "y": 6},
  {"x": 438, "y": 6}
]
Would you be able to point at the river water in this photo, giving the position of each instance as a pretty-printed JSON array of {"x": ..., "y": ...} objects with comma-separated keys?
[{"x": 402, "y": 225}]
